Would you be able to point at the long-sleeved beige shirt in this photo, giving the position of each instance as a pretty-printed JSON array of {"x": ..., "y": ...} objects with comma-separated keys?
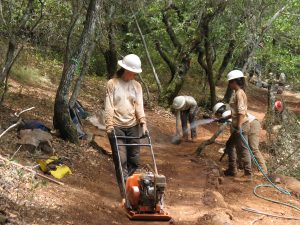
[
  {"x": 124, "y": 103},
  {"x": 189, "y": 103},
  {"x": 239, "y": 106}
]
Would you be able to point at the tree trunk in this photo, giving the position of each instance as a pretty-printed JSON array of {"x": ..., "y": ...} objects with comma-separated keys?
[
  {"x": 62, "y": 120},
  {"x": 84, "y": 70},
  {"x": 110, "y": 55},
  {"x": 212, "y": 89},
  {"x": 226, "y": 59},
  {"x": 228, "y": 94},
  {"x": 5, "y": 89},
  {"x": 208, "y": 64},
  {"x": 111, "y": 60},
  {"x": 9, "y": 59}
]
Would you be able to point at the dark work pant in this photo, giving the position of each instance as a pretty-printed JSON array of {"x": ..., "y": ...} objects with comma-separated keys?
[
  {"x": 189, "y": 116},
  {"x": 234, "y": 144},
  {"x": 130, "y": 155}
]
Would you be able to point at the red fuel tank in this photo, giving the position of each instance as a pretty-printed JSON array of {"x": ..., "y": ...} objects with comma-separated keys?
[{"x": 133, "y": 189}]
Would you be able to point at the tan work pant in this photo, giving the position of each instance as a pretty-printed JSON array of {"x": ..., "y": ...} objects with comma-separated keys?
[{"x": 253, "y": 138}]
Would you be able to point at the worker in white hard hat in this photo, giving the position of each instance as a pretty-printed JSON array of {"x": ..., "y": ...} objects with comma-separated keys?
[
  {"x": 185, "y": 109},
  {"x": 253, "y": 136},
  {"x": 219, "y": 108},
  {"x": 240, "y": 126},
  {"x": 125, "y": 116}
]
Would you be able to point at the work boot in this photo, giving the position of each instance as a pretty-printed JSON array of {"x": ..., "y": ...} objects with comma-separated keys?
[{"x": 230, "y": 173}]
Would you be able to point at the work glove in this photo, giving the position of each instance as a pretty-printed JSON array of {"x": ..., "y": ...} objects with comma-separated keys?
[
  {"x": 110, "y": 130},
  {"x": 221, "y": 120},
  {"x": 145, "y": 131}
]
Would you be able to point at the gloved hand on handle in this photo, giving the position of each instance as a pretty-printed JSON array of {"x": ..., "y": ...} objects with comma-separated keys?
[
  {"x": 145, "y": 131},
  {"x": 109, "y": 130}
]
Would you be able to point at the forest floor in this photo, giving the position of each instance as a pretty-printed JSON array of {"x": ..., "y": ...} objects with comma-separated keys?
[{"x": 90, "y": 195}]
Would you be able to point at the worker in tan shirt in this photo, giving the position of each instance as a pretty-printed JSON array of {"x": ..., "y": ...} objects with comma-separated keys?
[
  {"x": 253, "y": 136},
  {"x": 124, "y": 115},
  {"x": 240, "y": 125}
]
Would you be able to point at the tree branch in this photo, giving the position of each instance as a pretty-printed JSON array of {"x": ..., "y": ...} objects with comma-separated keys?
[
  {"x": 226, "y": 59},
  {"x": 1, "y": 13},
  {"x": 40, "y": 17},
  {"x": 26, "y": 14},
  {"x": 169, "y": 29},
  {"x": 201, "y": 59},
  {"x": 165, "y": 58},
  {"x": 74, "y": 19}
]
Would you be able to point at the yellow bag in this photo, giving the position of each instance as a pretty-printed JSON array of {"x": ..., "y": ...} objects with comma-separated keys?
[
  {"x": 55, "y": 167},
  {"x": 60, "y": 171}
]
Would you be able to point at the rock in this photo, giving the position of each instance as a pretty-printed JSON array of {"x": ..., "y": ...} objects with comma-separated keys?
[
  {"x": 36, "y": 138},
  {"x": 98, "y": 120},
  {"x": 3, "y": 219},
  {"x": 277, "y": 180},
  {"x": 221, "y": 180},
  {"x": 216, "y": 218},
  {"x": 292, "y": 184},
  {"x": 101, "y": 144},
  {"x": 213, "y": 199},
  {"x": 46, "y": 148}
]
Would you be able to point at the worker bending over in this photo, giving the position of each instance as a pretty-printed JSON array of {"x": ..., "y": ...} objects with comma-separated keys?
[
  {"x": 253, "y": 136},
  {"x": 185, "y": 109},
  {"x": 124, "y": 115}
]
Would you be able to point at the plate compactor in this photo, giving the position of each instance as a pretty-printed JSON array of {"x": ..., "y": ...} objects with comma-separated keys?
[{"x": 144, "y": 190}]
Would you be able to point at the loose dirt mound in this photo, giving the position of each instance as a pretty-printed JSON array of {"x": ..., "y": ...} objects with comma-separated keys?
[
  {"x": 216, "y": 218},
  {"x": 213, "y": 199}
]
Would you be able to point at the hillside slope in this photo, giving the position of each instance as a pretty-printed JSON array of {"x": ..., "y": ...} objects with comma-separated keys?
[{"x": 90, "y": 195}]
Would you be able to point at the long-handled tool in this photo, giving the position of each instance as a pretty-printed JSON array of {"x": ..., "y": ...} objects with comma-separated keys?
[{"x": 144, "y": 190}]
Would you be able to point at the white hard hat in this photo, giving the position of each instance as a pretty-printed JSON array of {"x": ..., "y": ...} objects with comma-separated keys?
[
  {"x": 132, "y": 63},
  {"x": 218, "y": 106},
  {"x": 226, "y": 113},
  {"x": 178, "y": 102},
  {"x": 234, "y": 74}
]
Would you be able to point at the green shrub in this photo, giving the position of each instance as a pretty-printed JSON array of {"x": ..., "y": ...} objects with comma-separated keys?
[{"x": 28, "y": 75}]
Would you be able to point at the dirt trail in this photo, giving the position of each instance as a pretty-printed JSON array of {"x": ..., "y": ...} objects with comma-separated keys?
[{"x": 90, "y": 195}]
